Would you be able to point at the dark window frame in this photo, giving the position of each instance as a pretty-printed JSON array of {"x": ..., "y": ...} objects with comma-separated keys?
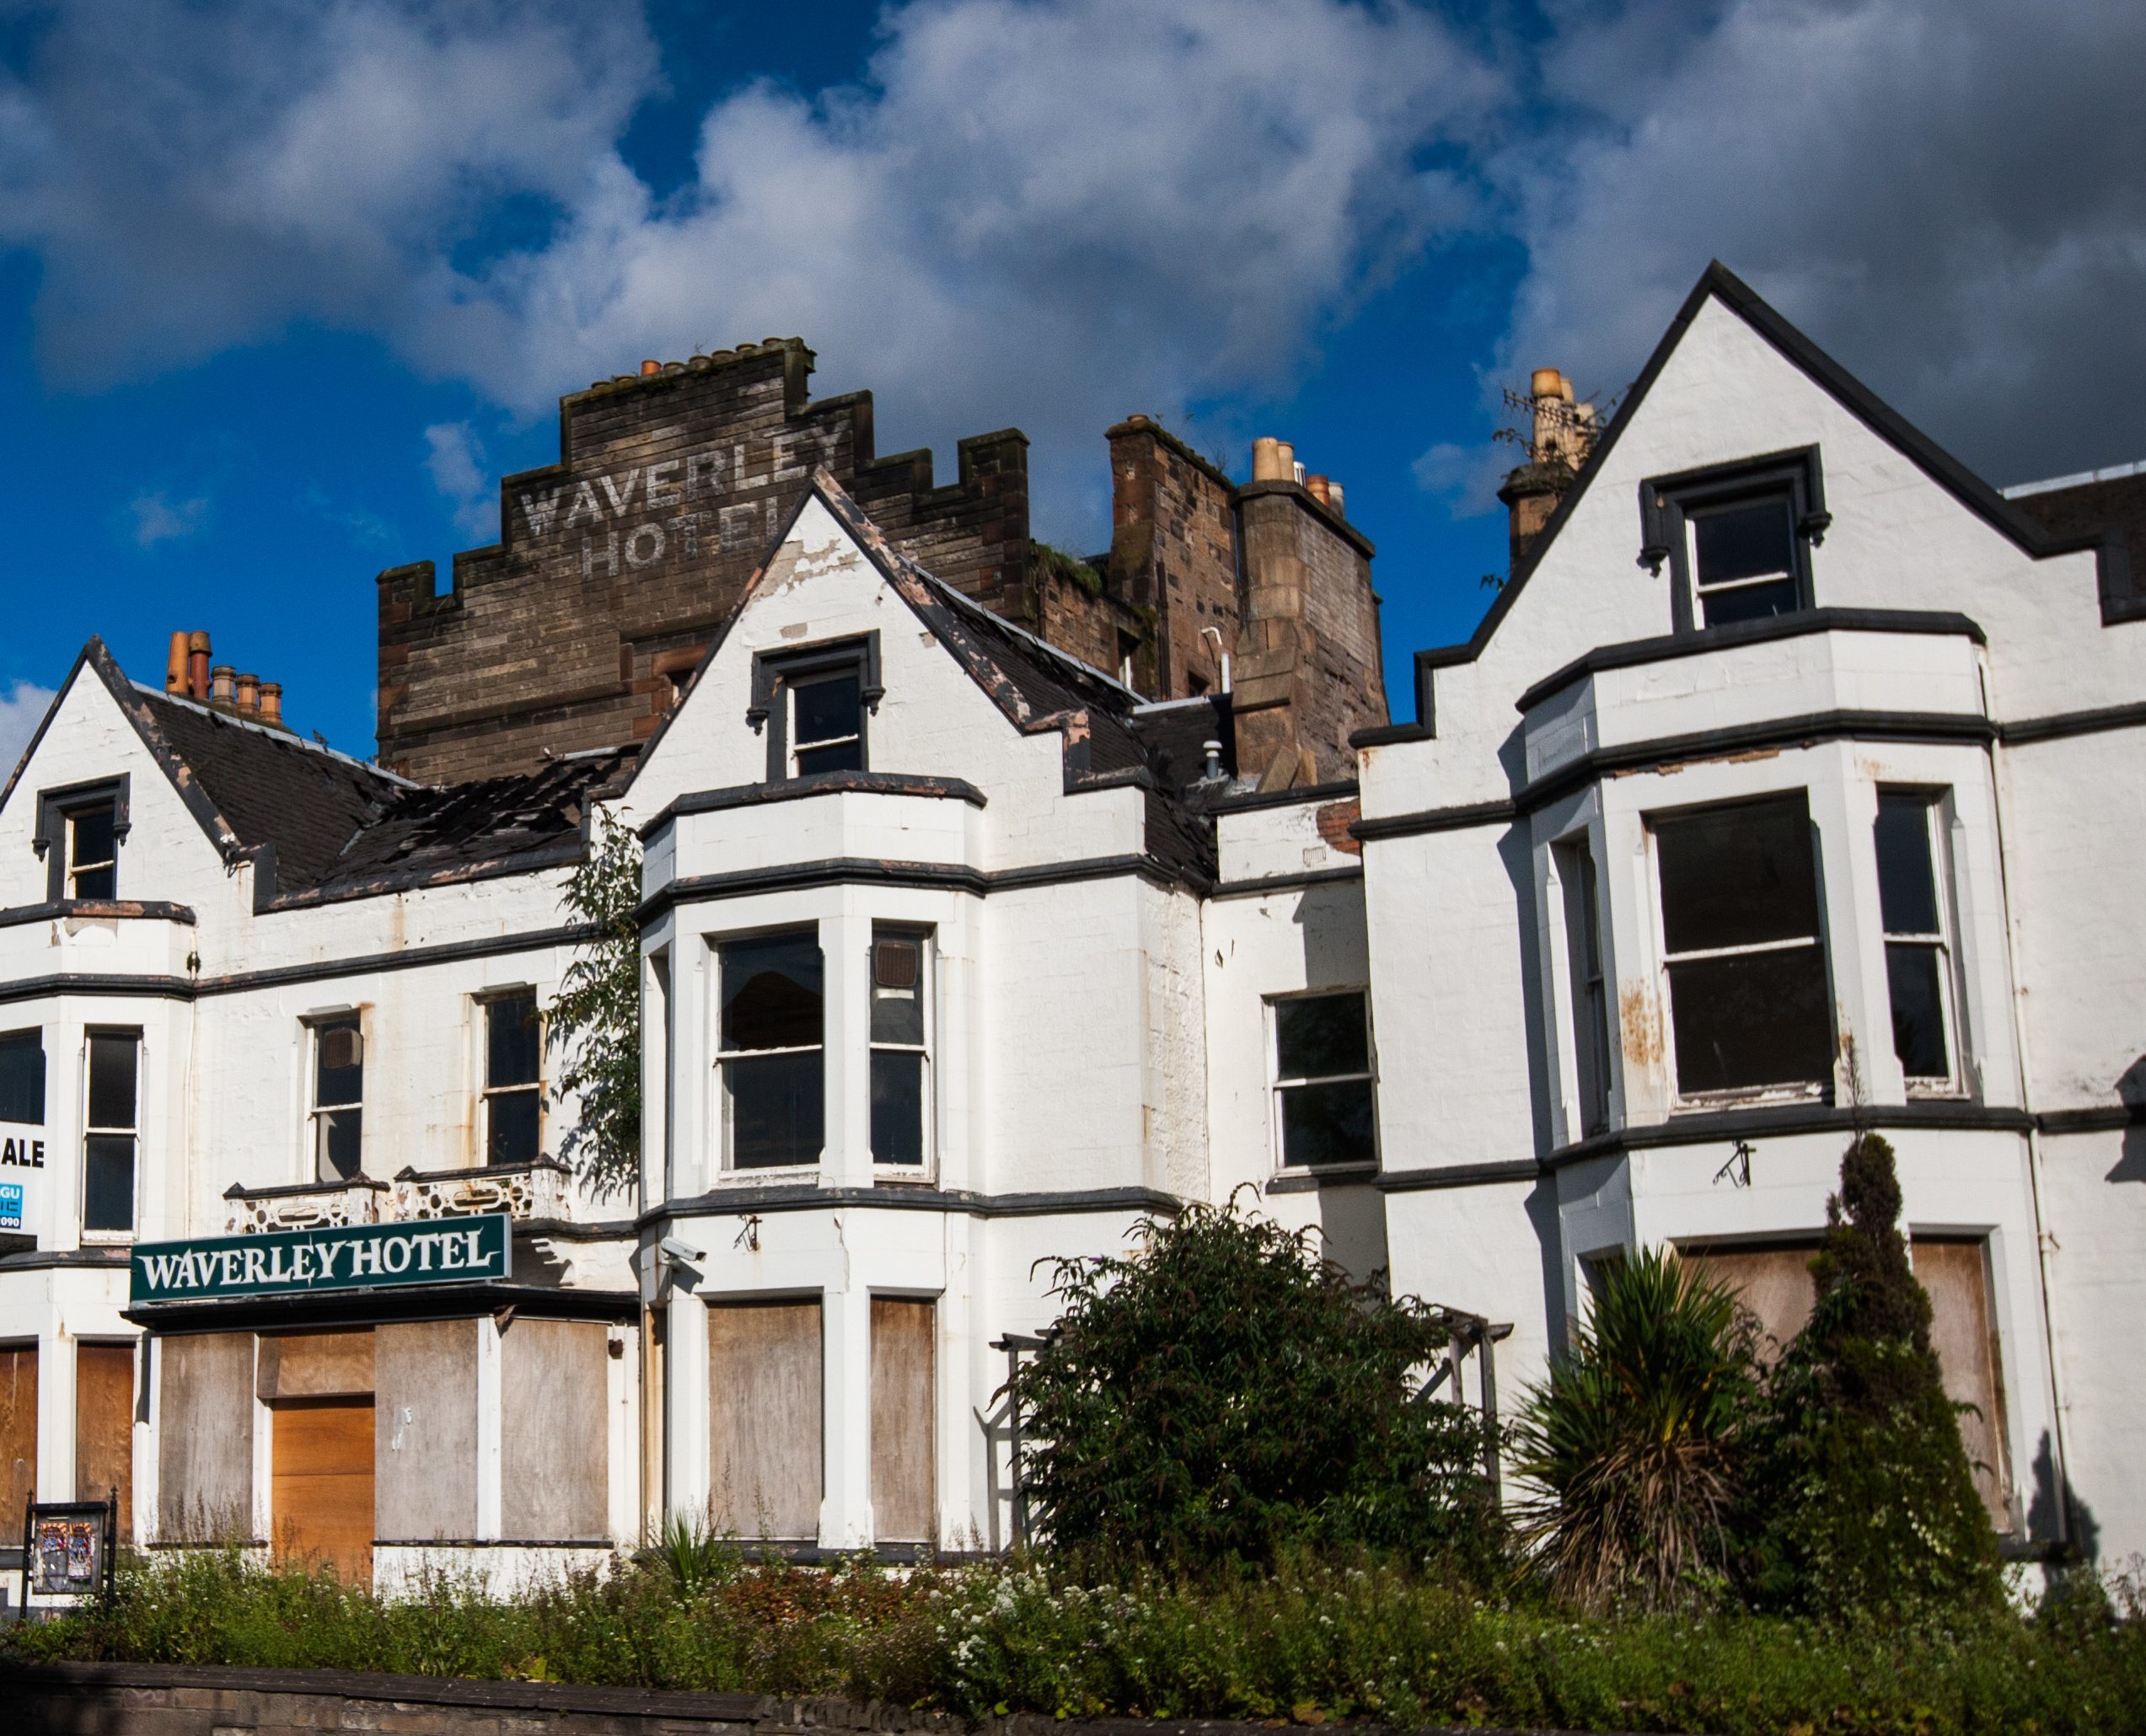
[
  {"x": 93, "y": 1129},
  {"x": 1279, "y": 1084},
  {"x": 44, "y": 1076},
  {"x": 1587, "y": 964},
  {"x": 489, "y": 1090},
  {"x": 1818, "y": 1088},
  {"x": 1668, "y": 504},
  {"x": 52, "y": 841},
  {"x": 921, "y": 938},
  {"x": 776, "y": 673},
  {"x": 317, "y": 1025},
  {"x": 725, "y": 1058},
  {"x": 1939, "y": 942}
]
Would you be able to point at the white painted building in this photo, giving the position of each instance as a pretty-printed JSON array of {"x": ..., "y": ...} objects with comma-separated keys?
[{"x": 1780, "y": 793}]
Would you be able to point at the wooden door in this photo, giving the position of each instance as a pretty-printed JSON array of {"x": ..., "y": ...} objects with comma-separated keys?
[
  {"x": 104, "y": 1427},
  {"x": 766, "y": 1456},
  {"x": 903, "y": 1407},
  {"x": 321, "y": 1494},
  {"x": 17, "y": 1438},
  {"x": 1955, "y": 1272}
]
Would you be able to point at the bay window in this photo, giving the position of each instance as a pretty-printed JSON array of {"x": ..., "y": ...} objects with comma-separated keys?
[
  {"x": 111, "y": 1131},
  {"x": 901, "y": 1055},
  {"x": 1918, "y": 971}
]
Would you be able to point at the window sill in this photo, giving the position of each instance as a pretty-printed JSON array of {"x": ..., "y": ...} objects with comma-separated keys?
[
  {"x": 107, "y": 1238},
  {"x": 760, "y": 1176},
  {"x": 1727, "y": 1102},
  {"x": 1309, "y": 1178}
]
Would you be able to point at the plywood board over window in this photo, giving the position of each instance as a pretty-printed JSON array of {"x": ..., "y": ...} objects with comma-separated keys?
[
  {"x": 903, "y": 1359},
  {"x": 1955, "y": 1272},
  {"x": 1773, "y": 1279},
  {"x": 17, "y": 1435},
  {"x": 767, "y": 1454},
  {"x": 205, "y": 1437},
  {"x": 103, "y": 1426},
  {"x": 425, "y": 1430},
  {"x": 555, "y": 1440},
  {"x": 322, "y": 1493}
]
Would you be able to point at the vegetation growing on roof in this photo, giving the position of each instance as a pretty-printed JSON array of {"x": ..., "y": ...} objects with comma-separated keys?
[{"x": 1045, "y": 559}]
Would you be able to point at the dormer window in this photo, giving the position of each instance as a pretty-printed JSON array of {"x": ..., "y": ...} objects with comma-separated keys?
[
  {"x": 815, "y": 703},
  {"x": 1736, "y": 538},
  {"x": 80, "y": 830}
]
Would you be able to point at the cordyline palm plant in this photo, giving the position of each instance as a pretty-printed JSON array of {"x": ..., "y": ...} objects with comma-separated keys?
[{"x": 1633, "y": 1445}]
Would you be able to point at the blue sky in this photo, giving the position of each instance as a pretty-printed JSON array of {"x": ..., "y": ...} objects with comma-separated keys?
[{"x": 285, "y": 287}]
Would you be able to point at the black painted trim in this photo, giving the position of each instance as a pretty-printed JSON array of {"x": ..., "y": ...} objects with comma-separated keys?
[
  {"x": 241, "y": 982},
  {"x": 109, "y": 1255},
  {"x": 1465, "y": 1175},
  {"x": 2059, "y": 725},
  {"x": 1339, "y": 790},
  {"x": 1713, "y": 639},
  {"x": 941, "y": 877},
  {"x": 1286, "y": 882},
  {"x": 1712, "y": 1127},
  {"x": 2100, "y": 1118},
  {"x": 737, "y": 795},
  {"x": 1457, "y": 818},
  {"x": 778, "y": 668},
  {"x": 1666, "y": 503},
  {"x": 417, "y": 1302},
  {"x": 56, "y": 805},
  {"x": 98, "y": 909},
  {"x": 1386, "y": 735},
  {"x": 1358, "y": 1174},
  {"x": 805, "y": 1197}
]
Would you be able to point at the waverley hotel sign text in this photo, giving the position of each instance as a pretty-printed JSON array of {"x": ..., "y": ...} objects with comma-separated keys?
[{"x": 302, "y": 1261}]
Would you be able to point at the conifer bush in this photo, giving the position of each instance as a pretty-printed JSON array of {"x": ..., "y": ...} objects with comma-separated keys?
[
  {"x": 1863, "y": 1498},
  {"x": 1225, "y": 1395}
]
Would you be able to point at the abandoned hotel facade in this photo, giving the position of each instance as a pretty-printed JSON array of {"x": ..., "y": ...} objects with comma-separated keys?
[{"x": 993, "y": 899}]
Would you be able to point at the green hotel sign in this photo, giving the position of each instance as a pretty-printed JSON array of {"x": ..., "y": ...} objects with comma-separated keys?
[{"x": 301, "y": 1262}]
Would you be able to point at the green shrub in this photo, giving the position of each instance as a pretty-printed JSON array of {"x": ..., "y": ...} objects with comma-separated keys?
[
  {"x": 1224, "y": 1395},
  {"x": 1634, "y": 1444},
  {"x": 1863, "y": 1498}
]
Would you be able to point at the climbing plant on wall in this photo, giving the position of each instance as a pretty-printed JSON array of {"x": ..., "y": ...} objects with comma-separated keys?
[{"x": 595, "y": 1022}]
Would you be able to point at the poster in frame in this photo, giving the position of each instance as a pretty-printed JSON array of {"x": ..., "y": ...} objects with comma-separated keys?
[{"x": 68, "y": 1552}]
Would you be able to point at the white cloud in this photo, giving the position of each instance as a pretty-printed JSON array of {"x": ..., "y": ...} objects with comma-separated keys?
[
  {"x": 1465, "y": 477},
  {"x": 22, "y": 708},
  {"x": 1943, "y": 192},
  {"x": 455, "y": 458},
  {"x": 157, "y": 519},
  {"x": 1059, "y": 213}
]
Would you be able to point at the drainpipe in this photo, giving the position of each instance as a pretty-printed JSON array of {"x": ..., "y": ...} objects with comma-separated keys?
[
  {"x": 2062, "y": 1443},
  {"x": 1216, "y": 634}
]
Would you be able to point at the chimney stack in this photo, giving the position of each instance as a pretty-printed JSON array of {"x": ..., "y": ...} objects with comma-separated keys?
[{"x": 1561, "y": 434}]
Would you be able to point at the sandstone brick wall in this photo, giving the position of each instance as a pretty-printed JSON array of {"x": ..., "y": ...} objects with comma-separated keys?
[
  {"x": 618, "y": 563},
  {"x": 1174, "y": 552}
]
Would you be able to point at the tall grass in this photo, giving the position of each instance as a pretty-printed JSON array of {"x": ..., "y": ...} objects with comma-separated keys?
[{"x": 1302, "y": 1642}]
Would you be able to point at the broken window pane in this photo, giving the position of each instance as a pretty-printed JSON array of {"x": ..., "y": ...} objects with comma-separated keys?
[
  {"x": 827, "y": 724},
  {"x": 772, "y": 993},
  {"x": 1912, "y": 972},
  {"x": 93, "y": 851}
]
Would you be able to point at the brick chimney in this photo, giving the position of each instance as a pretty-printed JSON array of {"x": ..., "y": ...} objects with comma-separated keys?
[{"x": 1560, "y": 436}]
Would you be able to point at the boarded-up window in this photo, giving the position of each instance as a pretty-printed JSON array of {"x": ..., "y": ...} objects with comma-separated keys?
[
  {"x": 424, "y": 1422},
  {"x": 1963, "y": 1330},
  {"x": 104, "y": 1427},
  {"x": 205, "y": 1437},
  {"x": 18, "y": 1436},
  {"x": 555, "y": 1435},
  {"x": 1774, "y": 1279},
  {"x": 315, "y": 1365},
  {"x": 765, "y": 1452},
  {"x": 903, "y": 1359}
]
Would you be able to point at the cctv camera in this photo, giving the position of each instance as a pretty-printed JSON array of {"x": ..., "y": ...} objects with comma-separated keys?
[{"x": 671, "y": 1248}]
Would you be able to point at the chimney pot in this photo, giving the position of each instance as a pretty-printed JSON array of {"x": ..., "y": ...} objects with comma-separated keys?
[
  {"x": 651, "y": 366},
  {"x": 175, "y": 669},
  {"x": 197, "y": 665},
  {"x": 1213, "y": 750},
  {"x": 220, "y": 679},
  {"x": 271, "y": 703},
  {"x": 249, "y": 693},
  {"x": 1316, "y": 486},
  {"x": 1543, "y": 383},
  {"x": 1335, "y": 497},
  {"x": 1267, "y": 465}
]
